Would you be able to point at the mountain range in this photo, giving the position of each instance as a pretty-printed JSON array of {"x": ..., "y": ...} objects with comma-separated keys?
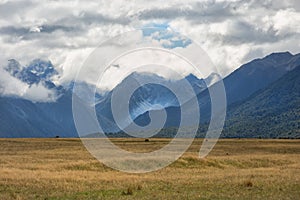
[
  {"x": 262, "y": 101},
  {"x": 273, "y": 112}
]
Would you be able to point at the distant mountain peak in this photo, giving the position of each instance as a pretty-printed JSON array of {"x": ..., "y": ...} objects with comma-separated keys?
[
  {"x": 191, "y": 77},
  {"x": 286, "y": 53},
  {"x": 41, "y": 68},
  {"x": 279, "y": 57},
  {"x": 38, "y": 70}
]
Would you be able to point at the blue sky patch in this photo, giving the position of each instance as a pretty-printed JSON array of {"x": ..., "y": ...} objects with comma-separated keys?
[{"x": 165, "y": 35}]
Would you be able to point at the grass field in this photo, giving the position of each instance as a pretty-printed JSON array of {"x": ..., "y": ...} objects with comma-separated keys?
[{"x": 235, "y": 169}]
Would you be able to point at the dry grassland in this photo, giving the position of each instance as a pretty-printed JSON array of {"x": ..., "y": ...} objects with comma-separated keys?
[{"x": 235, "y": 169}]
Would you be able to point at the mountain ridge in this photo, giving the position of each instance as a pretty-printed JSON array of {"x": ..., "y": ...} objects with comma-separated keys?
[
  {"x": 24, "y": 118},
  {"x": 276, "y": 112}
]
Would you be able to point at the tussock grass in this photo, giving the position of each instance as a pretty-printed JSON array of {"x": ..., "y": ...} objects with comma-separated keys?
[{"x": 235, "y": 169}]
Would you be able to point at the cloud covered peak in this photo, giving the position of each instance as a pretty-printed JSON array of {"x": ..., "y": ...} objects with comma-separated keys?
[
  {"x": 37, "y": 71},
  {"x": 32, "y": 82}
]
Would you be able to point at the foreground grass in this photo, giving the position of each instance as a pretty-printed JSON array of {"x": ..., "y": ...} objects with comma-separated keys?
[{"x": 235, "y": 169}]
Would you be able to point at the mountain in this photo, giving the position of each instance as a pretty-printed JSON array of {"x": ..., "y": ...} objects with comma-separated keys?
[
  {"x": 239, "y": 85},
  {"x": 268, "y": 113},
  {"x": 258, "y": 74},
  {"x": 262, "y": 97},
  {"x": 245, "y": 81},
  {"x": 147, "y": 97},
  {"x": 24, "y": 118},
  {"x": 38, "y": 71}
]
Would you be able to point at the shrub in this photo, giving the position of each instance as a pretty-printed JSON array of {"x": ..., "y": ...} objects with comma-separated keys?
[
  {"x": 129, "y": 191},
  {"x": 248, "y": 183}
]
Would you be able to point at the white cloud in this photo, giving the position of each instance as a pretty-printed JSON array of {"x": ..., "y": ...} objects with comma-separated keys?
[
  {"x": 11, "y": 86},
  {"x": 286, "y": 21},
  {"x": 231, "y": 32},
  {"x": 39, "y": 93}
]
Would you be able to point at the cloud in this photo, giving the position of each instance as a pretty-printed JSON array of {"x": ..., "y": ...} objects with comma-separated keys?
[
  {"x": 11, "y": 30},
  {"x": 231, "y": 32},
  {"x": 93, "y": 18},
  {"x": 13, "y": 87},
  {"x": 11, "y": 9},
  {"x": 39, "y": 93},
  {"x": 198, "y": 12}
]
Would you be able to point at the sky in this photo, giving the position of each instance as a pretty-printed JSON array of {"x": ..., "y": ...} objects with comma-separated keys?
[{"x": 231, "y": 33}]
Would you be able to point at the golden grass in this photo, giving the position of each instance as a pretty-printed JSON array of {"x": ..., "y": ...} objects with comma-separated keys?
[{"x": 235, "y": 169}]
